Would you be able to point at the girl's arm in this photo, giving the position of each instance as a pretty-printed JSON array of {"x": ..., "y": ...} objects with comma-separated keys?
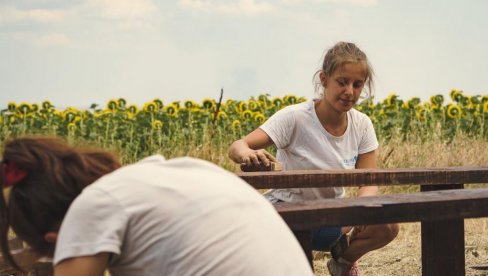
[
  {"x": 250, "y": 149},
  {"x": 83, "y": 266},
  {"x": 367, "y": 161}
]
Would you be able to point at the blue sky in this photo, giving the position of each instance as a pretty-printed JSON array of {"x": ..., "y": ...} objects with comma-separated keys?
[{"x": 75, "y": 53}]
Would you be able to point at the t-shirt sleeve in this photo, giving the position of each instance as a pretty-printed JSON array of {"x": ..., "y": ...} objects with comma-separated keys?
[
  {"x": 280, "y": 127},
  {"x": 94, "y": 223},
  {"x": 369, "y": 142}
]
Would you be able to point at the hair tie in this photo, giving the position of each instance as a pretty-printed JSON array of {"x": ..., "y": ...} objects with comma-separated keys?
[{"x": 12, "y": 174}]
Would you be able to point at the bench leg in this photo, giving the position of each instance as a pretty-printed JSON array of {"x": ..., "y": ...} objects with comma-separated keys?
[
  {"x": 443, "y": 244},
  {"x": 443, "y": 248},
  {"x": 305, "y": 240}
]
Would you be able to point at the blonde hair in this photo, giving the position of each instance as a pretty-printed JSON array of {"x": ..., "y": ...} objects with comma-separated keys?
[{"x": 337, "y": 56}]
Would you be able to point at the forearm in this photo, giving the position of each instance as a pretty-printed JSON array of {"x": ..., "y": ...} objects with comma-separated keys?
[{"x": 235, "y": 150}]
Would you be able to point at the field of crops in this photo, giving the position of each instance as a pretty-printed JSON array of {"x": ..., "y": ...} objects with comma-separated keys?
[{"x": 177, "y": 128}]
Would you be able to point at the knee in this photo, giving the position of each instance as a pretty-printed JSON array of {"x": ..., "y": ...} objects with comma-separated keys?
[{"x": 389, "y": 232}]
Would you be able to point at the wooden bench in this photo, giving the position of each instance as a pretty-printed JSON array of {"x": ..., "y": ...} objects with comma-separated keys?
[{"x": 441, "y": 206}]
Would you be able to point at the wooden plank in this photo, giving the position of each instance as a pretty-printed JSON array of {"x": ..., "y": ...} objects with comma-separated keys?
[
  {"x": 423, "y": 206},
  {"x": 364, "y": 177},
  {"x": 273, "y": 166},
  {"x": 443, "y": 242}
]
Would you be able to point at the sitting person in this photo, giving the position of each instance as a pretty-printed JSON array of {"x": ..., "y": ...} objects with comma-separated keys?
[{"x": 182, "y": 216}]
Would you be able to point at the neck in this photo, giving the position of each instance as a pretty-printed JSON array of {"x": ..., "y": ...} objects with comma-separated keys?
[{"x": 333, "y": 121}]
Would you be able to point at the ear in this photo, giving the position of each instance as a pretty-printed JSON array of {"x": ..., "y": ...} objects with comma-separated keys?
[
  {"x": 323, "y": 78},
  {"x": 51, "y": 237}
]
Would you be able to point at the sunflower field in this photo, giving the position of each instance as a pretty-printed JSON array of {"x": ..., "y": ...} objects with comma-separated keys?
[{"x": 170, "y": 128}]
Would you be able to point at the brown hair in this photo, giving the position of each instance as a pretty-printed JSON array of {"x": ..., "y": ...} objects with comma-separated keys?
[
  {"x": 56, "y": 175},
  {"x": 342, "y": 53}
]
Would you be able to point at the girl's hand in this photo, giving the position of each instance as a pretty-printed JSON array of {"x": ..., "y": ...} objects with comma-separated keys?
[{"x": 256, "y": 157}]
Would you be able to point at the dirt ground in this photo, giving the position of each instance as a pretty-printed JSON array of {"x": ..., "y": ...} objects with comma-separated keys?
[{"x": 403, "y": 256}]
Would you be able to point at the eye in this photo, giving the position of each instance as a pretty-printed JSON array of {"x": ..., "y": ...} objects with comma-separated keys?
[
  {"x": 342, "y": 82},
  {"x": 358, "y": 84}
]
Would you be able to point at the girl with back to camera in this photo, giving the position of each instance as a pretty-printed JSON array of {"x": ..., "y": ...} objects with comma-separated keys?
[
  {"x": 182, "y": 216},
  {"x": 325, "y": 133}
]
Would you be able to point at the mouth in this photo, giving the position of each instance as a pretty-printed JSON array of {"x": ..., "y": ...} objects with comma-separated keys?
[{"x": 346, "y": 101}]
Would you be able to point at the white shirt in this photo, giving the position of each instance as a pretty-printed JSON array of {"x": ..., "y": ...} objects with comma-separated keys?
[
  {"x": 303, "y": 143},
  {"x": 179, "y": 217}
]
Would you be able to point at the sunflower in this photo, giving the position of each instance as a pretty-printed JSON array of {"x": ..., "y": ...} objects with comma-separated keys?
[
  {"x": 391, "y": 100},
  {"x": 24, "y": 108},
  {"x": 121, "y": 102},
  {"x": 229, "y": 102},
  {"x": 157, "y": 124},
  {"x": 133, "y": 109},
  {"x": 159, "y": 103},
  {"x": 290, "y": 99},
  {"x": 208, "y": 103},
  {"x": 456, "y": 95},
  {"x": 422, "y": 113},
  {"x": 1, "y": 120},
  {"x": 150, "y": 107},
  {"x": 277, "y": 102},
  {"x": 221, "y": 116},
  {"x": 242, "y": 106},
  {"x": 485, "y": 107},
  {"x": 263, "y": 98},
  {"x": 189, "y": 104},
  {"x": 171, "y": 109},
  {"x": 484, "y": 98},
  {"x": 71, "y": 127},
  {"x": 46, "y": 105},
  {"x": 437, "y": 99},
  {"x": 474, "y": 100},
  {"x": 253, "y": 105},
  {"x": 12, "y": 106},
  {"x": 412, "y": 103},
  {"x": 70, "y": 114},
  {"x": 236, "y": 124},
  {"x": 112, "y": 105},
  {"x": 247, "y": 114},
  {"x": 454, "y": 111},
  {"x": 34, "y": 107},
  {"x": 177, "y": 104},
  {"x": 259, "y": 117}
]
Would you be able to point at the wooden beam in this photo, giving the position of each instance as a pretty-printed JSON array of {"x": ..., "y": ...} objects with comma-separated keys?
[
  {"x": 422, "y": 206},
  {"x": 443, "y": 242},
  {"x": 364, "y": 177}
]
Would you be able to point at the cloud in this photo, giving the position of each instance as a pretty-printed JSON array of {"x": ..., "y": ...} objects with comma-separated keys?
[
  {"x": 52, "y": 40},
  {"x": 362, "y": 3},
  {"x": 123, "y": 9},
  {"x": 244, "y": 7},
  {"x": 41, "y": 40},
  {"x": 9, "y": 14}
]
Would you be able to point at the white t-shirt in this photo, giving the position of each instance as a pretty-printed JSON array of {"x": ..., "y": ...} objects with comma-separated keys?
[
  {"x": 179, "y": 217},
  {"x": 304, "y": 144}
]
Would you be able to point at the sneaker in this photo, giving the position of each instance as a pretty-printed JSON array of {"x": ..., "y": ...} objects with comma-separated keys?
[{"x": 342, "y": 268}]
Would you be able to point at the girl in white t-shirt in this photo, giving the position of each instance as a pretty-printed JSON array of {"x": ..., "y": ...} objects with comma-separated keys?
[
  {"x": 182, "y": 216},
  {"x": 325, "y": 133}
]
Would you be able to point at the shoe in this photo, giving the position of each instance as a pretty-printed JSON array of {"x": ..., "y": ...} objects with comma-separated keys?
[{"x": 342, "y": 268}]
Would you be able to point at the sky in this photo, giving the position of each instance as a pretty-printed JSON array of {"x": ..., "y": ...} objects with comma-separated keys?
[{"x": 75, "y": 53}]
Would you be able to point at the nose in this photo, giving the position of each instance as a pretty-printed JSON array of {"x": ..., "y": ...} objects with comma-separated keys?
[{"x": 349, "y": 89}]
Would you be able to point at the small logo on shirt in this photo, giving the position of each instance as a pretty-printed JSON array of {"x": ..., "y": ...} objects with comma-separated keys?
[{"x": 351, "y": 162}]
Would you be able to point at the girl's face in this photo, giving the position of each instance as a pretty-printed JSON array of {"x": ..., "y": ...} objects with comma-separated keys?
[{"x": 343, "y": 87}]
